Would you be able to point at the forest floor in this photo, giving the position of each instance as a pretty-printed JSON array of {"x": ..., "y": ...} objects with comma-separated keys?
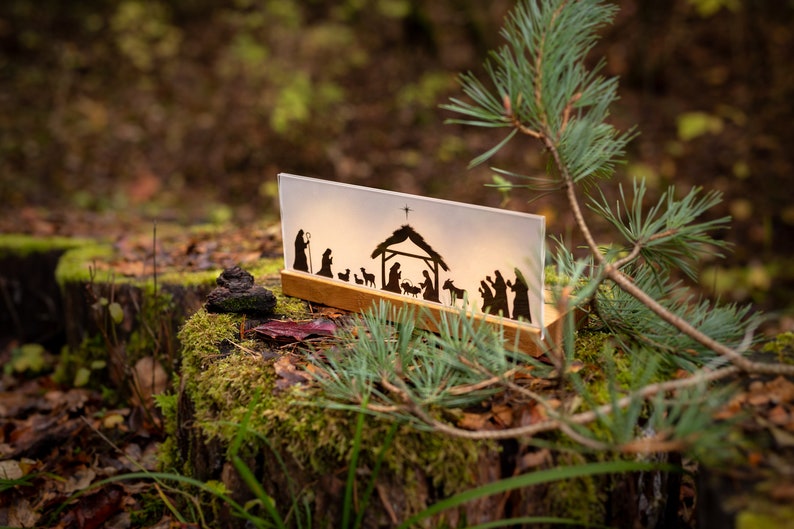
[
  {"x": 82, "y": 167},
  {"x": 59, "y": 443}
]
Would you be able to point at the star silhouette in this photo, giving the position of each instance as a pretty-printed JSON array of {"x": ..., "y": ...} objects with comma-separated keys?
[{"x": 406, "y": 209}]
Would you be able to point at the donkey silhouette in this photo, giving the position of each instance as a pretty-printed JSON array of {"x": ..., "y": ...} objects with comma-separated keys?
[{"x": 455, "y": 292}]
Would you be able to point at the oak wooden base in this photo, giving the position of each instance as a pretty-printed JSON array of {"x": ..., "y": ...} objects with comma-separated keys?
[{"x": 354, "y": 298}]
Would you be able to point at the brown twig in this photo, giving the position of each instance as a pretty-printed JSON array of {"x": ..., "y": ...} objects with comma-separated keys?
[{"x": 556, "y": 423}]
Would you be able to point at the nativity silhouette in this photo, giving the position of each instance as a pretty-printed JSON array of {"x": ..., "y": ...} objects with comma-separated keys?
[
  {"x": 425, "y": 253},
  {"x": 492, "y": 290}
]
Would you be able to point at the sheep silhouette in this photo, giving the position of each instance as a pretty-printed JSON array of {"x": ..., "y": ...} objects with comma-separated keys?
[{"x": 369, "y": 279}]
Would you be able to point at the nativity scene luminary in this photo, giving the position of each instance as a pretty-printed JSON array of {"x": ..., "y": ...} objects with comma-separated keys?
[{"x": 348, "y": 246}]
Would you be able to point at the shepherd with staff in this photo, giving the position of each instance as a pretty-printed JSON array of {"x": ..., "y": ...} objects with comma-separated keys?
[{"x": 301, "y": 245}]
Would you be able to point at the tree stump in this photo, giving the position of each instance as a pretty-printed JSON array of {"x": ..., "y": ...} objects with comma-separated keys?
[{"x": 300, "y": 451}]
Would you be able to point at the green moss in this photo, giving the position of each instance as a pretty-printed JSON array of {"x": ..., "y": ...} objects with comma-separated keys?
[
  {"x": 167, "y": 454},
  {"x": 289, "y": 307},
  {"x": 580, "y": 499},
  {"x": 222, "y": 375},
  {"x": 266, "y": 268},
  {"x": 23, "y": 245},
  {"x": 589, "y": 346},
  {"x": 782, "y": 346},
  {"x": 76, "y": 265},
  {"x": 784, "y": 519}
]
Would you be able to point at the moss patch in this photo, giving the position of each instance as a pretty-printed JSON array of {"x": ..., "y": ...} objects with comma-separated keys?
[
  {"x": 23, "y": 245},
  {"x": 782, "y": 346},
  {"x": 222, "y": 374}
]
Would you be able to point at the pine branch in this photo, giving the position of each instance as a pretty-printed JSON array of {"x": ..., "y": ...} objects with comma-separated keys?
[{"x": 540, "y": 80}]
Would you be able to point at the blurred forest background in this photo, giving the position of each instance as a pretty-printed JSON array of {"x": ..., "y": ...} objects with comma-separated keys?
[{"x": 186, "y": 110}]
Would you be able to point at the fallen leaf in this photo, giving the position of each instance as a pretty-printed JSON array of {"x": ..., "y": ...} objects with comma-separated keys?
[
  {"x": 782, "y": 389},
  {"x": 474, "y": 421},
  {"x": 533, "y": 459},
  {"x": 288, "y": 374},
  {"x": 150, "y": 379},
  {"x": 778, "y": 415},
  {"x": 296, "y": 330},
  {"x": 782, "y": 438},
  {"x": 20, "y": 514},
  {"x": 79, "y": 481},
  {"x": 10, "y": 470},
  {"x": 503, "y": 415},
  {"x": 111, "y": 420}
]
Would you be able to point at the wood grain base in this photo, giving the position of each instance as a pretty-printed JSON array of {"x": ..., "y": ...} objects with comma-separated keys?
[{"x": 354, "y": 298}]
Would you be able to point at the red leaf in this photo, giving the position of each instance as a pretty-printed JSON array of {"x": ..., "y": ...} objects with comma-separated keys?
[{"x": 296, "y": 330}]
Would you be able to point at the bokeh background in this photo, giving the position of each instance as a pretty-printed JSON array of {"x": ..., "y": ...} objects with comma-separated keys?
[{"x": 185, "y": 110}]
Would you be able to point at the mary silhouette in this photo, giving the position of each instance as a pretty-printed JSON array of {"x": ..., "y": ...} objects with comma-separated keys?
[
  {"x": 301, "y": 244},
  {"x": 394, "y": 279}
]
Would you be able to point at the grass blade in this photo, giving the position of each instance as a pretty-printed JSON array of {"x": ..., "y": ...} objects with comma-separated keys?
[{"x": 534, "y": 478}]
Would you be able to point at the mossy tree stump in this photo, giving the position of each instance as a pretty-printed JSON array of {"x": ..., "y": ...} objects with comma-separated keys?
[
  {"x": 30, "y": 300},
  {"x": 71, "y": 292},
  {"x": 299, "y": 450},
  {"x": 120, "y": 319}
]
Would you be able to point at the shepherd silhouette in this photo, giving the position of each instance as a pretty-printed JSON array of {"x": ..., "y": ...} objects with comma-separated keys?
[
  {"x": 394, "y": 279},
  {"x": 325, "y": 270},
  {"x": 300, "y": 252}
]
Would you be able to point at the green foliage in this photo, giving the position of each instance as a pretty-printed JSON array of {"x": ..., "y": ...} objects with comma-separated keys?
[
  {"x": 436, "y": 371},
  {"x": 694, "y": 124},
  {"x": 541, "y": 89},
  {"x": 540, "y": 84},
  {"x": 708, "y": 8},
  {"x": 30, "y": 358},
  {"x": 629, "y": 317},
  {"x": 144, "y": 33},
  {"x": 667, "y": 234}
]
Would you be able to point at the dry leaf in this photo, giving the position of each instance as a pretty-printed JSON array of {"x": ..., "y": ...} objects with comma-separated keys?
[
  {"x": 150, "y": 379},
  {"x": 474, "y": 421},
  {"x": 533, "y": 459},
  {"x": 288, "y": 374},
  {"x": 295, "y": 330},
  {"x": 503, "y": 415}
]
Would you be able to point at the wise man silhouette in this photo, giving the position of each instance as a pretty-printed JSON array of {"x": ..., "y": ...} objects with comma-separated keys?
[
  {"x": 487, "y": 297},
  {"x": 325, "y": 270},
  {"x": 521, "y": 299},
  {"x": 301, "y": 244},
  {"x": 499, "y": 294},
  {"x": 430, "y": 292},
  {"x": 394, "y": 279}
]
